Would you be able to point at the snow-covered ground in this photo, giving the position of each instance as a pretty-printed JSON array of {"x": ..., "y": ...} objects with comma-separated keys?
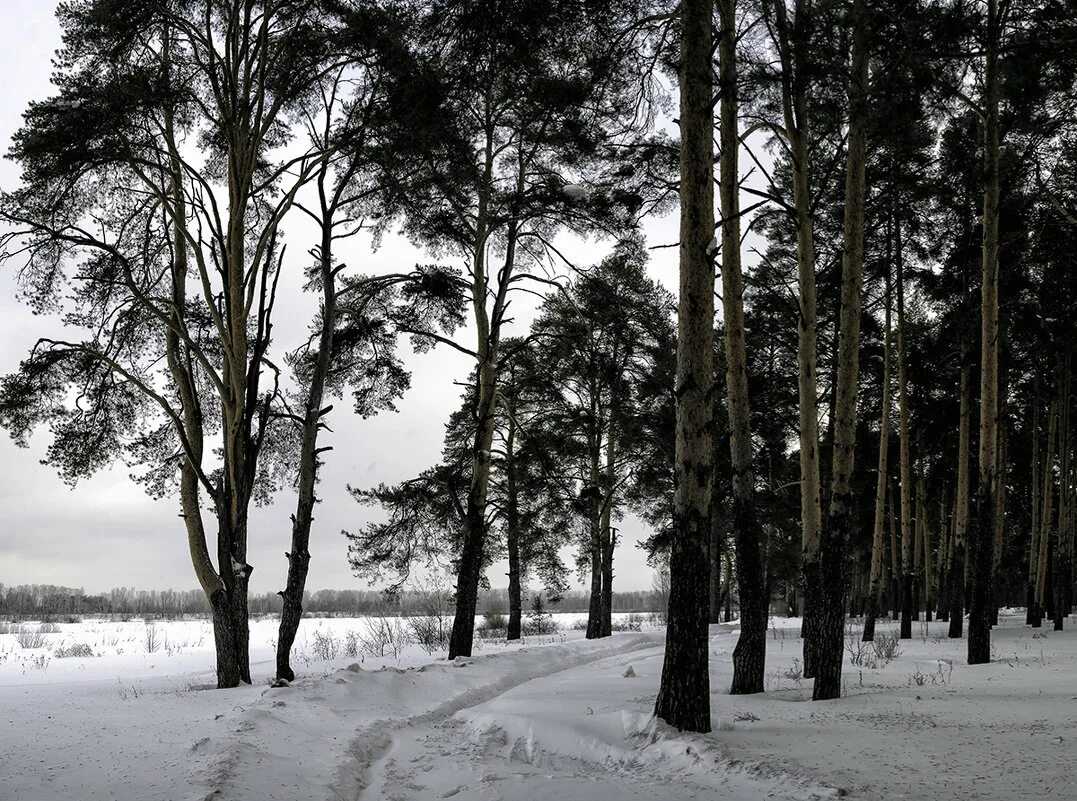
[{"x": 556, "y": 717}]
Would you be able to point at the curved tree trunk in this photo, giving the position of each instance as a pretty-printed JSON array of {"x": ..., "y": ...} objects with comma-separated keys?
[{"x": 299, "y": 554}]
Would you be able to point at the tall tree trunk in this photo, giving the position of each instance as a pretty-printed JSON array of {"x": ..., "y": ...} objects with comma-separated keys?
[
  {"x": 895, "y": 553},
  {"x": 727, "y": 582},
  {"x": 608, "y": 537},
  {"x": 749, "y": 656},
  {"x": 981, "y": 532},
  {"x": 793, "y": 48},
  {"x": 841, "y": 519},
  {"x": 961, "y": 501},
  {"x": 919, "y": 519},
  {"x": 939, "y": 593},
  {"x": 907, "y": 606},
  {"x": 299, "y": 554},
  {"x": 1032, "y": 615},
  {"x": 512, "y": 519},
  {"x": 998, "y": 540},
  {"x": 1047, "y": 513},
  {"x": 922, "y": 519},
  {"x": 594, "y": 606},
  {"x": 487, "y": 328},
  {"x": 874, "y": 588},
  {"x": 684, "y": 693},
  {"x": 1061, "y": 561},
  {"x": 715, "y": 554},
  {"x": 515, "y": 625}
]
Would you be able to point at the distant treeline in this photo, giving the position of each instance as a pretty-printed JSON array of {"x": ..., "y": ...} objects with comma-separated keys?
[{"x": 48, "y": 601}]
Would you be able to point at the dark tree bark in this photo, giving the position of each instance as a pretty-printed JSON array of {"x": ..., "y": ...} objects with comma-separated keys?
[
  {"x": 512, "y": 526},
  {"x": 749, "y": 655},
  {"x": 908, "y": 608},
  {"x": 841, "y": 520},
  {"x": 961, "y": 502},
  {"x": 299, "y": 554},
  {"x": 684, "y": 693},
  {"x": 982, "y": 532},
  {"x": 877, "y": 546},
  {"x": 1032, "y": 615}
]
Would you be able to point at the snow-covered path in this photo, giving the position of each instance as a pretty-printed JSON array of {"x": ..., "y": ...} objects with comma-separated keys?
[
  {"x": 581, "y": 733},
  {"x": 555, "y": 717}
]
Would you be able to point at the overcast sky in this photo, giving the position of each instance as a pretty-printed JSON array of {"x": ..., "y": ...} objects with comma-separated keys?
[{"x": 106, "y": 532}]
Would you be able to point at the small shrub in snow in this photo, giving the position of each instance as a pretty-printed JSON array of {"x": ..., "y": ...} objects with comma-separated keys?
[
  {"x": 796, "y": 672},
  {"x": 351, "y": 643},
  {"x": 431, "y": 632},
  {"x": 887, "y": 646},
  {"x": 385, "y": 636},
  {"x": 49, "y": 628},
  {"x": 495, "y": 620},
  {"x": 28, "y": 637},
  {"x": 860, "y": 652},
  {"x": 324, "y": 646},
  {"x": 152, "y": 639},
  {"x": 631, "y": 622},
  {"x": 76, "y": 650},
  {"x": 538, "y": 621}
]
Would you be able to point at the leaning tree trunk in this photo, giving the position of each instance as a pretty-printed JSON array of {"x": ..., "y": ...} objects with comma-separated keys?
[
  {"x": 749, "y": 656},
  {"x": 982, "y": 529},
  {"x": 299, "y": 554},
  {"x": 684, "y": 693},
  {"x": 907, "y": 609},
  {"x": 875, "y": 585},
  {"x": 841, "y": 519}
]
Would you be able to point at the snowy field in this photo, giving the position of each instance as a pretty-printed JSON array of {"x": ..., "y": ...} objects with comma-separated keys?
[{"x": 556, "y": 717}]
